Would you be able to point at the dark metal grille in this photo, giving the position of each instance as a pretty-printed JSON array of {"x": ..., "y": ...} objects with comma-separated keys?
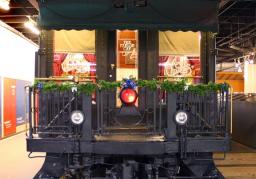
[
  {"x": 50, "y": 112},
  {"x": 207, "y": 113},
  {"x": 145, "y": 117}
]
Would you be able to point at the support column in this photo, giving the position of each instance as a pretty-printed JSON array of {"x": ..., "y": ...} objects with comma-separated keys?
[
  {"x": 101, "y": 41},
  {"x": 211, "y": 56},
  {"x": 152, "y": 54},
  {"x": 208, "y": 57},
  {"x": 44, "y": 63}
]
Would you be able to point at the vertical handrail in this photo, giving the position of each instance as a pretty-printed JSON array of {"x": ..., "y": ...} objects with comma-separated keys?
[
  {"x": 98, "y": 110},
  {"x": 30, "y": 114},
  {"x": 25, "y": 110},
  {"x": 160, "y": 113},
  {"x": 154, "y": 106},
  {"x": 231, "y": 110},
  {"x": 226, "y": 112},
  {"x": 101, "y": 111}
]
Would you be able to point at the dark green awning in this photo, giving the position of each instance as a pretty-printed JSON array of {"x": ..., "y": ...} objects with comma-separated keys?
[{"x": 185, "y": 15}]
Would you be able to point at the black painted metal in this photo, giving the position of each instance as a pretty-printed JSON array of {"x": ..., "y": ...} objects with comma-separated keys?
[
  {"x": 171, "y": 109},
  {"x": 204, "y": 133},
  {"x": 244, "y": 123},
  {"x": 207, "y": 115},
  {"x": 101, "y": 50},
  {"x": 145, "y": 119},
  {"x": 30, "y": 114},
  {"x": 45, "y": 54},
  {"x": 87, "y": 125},
  {"x": 208, "y": 57},
  {"x": 68, "y": 145}
]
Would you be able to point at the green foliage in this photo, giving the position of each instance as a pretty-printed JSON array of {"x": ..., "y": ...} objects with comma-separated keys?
[
  {"x": 106, "y": 85},
  {"x": 66, "y": 86},
  {"x": 171, "y": 87},
  {"x": 86, "y": 88},
  {"x": 50, "y": 86},
  {"x": 176, "y": 87},
  {"x": 151, "y": 84},
  {"x": 202, "y": 89}
]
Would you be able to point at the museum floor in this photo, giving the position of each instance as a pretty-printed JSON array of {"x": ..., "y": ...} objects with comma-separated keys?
[{"x": 15, "y": 164}]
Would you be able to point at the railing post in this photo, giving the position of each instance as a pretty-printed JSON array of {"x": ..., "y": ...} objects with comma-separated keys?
[
  {"x": 87, "y": 110},
  {"x": 171, "y": 109},
  {"x": 154, "y": 107},
  {"x": 227, "y": 116},
  {"x": 30, "y": 113}
]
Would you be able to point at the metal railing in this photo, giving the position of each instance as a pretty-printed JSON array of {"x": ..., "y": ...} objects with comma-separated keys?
[
  {"x": 208, "y": 113},
  {"x": 144, "y": 117},
  {"x": 50, "y": 113}
]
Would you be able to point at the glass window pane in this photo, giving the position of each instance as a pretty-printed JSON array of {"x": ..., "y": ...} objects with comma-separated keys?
[{"x": 180, "y": 55}]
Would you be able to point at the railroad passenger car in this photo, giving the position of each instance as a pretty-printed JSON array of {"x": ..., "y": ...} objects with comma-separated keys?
[{"x": 117, "y": 93}]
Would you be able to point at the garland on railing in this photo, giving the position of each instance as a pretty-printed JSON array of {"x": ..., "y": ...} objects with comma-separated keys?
[{"x": 89, "y": 88}]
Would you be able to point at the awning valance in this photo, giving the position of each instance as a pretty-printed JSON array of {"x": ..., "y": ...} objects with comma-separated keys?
[{"x": 194, "y": 15}]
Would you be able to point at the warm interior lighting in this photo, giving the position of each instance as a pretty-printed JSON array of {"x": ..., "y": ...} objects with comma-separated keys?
[
  {"x": 31, "y": 25},
  {"x": 249, "y": 78},
  {"x": 4, "y": 4}
]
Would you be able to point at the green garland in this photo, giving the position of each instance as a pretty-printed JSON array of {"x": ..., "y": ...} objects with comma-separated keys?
[
  {"x": 175, "y": 87},
  {"x": 107, "y": 85}
]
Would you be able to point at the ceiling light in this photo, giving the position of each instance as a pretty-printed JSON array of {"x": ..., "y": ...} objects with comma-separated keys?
[
  {"x": 31, "y": 25},
  {"x": 4, "y": 4}
]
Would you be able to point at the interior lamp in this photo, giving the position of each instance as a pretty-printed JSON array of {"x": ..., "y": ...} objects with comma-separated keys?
[
  {"x": 128, "y": 94},
  {"x": 31, "y": 25},
  {"x": 4, "y": 4}
]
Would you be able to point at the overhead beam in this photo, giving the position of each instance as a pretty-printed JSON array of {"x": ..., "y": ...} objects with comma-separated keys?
[
  {"x": 16, "y": 5},
  {"x": 24, "y": 12},
  {"x": 14, "y": 20},
  {"x": 34, "y": 3},
  {"x": 18, "y": 26},
  {"x": 227, "y": 8}
]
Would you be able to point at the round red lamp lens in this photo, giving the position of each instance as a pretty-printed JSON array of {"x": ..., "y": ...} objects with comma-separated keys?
[{"x": 128, "y": 96}]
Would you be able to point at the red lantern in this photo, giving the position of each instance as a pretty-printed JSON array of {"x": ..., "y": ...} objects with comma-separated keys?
[{"x": 128, "y": 96}]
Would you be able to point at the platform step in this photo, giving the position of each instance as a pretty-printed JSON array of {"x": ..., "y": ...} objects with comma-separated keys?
[{"x": 237, "y": 165}]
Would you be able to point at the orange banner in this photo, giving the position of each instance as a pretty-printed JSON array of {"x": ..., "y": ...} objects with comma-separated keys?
[{"x": 9, "y": 118}]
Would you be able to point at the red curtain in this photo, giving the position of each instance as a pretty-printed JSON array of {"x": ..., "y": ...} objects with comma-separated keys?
[
  {"x": 92, "y": 59},
  {"x": 57, "y": 61}
]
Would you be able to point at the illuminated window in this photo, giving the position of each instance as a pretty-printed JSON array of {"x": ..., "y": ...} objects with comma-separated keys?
[
  {"x": 74, "y": 53},
  {"x": 179, "y": 55}
]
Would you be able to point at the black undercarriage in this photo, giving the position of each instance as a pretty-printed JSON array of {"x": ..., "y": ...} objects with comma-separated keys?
[{"x": 83, "y": 166}]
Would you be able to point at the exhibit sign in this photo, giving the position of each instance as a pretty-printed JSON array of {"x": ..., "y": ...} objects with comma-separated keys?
[
  {"x": 127, "y": 48},
  {"x": 20, "y": 102},
  {"x": 9, "y": 106}
]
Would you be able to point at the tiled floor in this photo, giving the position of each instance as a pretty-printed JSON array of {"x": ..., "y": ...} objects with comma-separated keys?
[
  {"x": 14, "y": 161},
  {"x": 240, "y": 163},
  {"x": 15, "y": 164}
]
